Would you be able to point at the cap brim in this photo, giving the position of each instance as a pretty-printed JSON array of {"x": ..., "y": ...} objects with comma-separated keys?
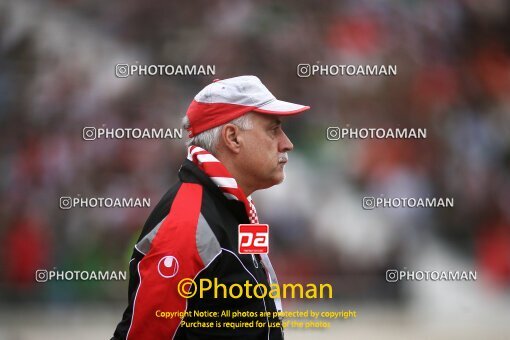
[{"x": 280, "y": 107}]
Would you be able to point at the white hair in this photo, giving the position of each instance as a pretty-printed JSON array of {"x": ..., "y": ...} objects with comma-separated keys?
[{"x": 208, "y": 139}]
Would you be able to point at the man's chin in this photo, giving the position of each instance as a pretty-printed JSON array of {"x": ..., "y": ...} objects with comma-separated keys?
[
  {"x": 279, "y": 179},
  {"x": 274, "y": 181},
  {"x": 282, "y": 177}
]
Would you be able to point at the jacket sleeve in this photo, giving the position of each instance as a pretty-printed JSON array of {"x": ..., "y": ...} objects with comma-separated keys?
[{"x": 170, "y": 255}]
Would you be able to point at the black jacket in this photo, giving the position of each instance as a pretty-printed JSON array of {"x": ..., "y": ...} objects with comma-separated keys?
[{"x": 193, "y": 233}]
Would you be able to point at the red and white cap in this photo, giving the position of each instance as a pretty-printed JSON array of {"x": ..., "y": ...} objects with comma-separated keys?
[{"x": 228, "y": 99}]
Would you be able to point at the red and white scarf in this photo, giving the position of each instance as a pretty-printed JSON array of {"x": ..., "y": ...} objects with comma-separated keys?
[
  {"x": 222, "y": 178},
  {"x": 228, "y": 185}
]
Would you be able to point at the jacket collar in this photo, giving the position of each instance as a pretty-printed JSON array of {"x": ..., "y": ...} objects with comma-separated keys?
[{"x": 191, "y": 173}]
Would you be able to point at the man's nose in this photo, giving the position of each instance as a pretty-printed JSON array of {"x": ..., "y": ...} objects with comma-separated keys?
[{"x": 285, "y": 144}]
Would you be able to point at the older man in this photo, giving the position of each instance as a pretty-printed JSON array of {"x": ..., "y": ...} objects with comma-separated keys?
[{"x": 237, "y": 146}]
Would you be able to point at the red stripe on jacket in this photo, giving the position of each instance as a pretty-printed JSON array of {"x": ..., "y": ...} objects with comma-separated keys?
[{"x": 176, "y": 237}]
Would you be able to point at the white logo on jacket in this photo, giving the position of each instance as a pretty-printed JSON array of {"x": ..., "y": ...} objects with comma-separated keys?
[{"x": 168, "y": 266}]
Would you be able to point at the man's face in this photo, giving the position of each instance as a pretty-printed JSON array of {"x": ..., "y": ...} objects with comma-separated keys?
[{"x": 264, "y": 151}]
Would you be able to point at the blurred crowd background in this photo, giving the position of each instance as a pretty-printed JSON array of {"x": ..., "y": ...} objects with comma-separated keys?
[{"x": 57, "y": 75}]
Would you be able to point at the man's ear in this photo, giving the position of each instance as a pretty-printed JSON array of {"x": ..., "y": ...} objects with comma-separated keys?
[{"x": 230, "y": 136}]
